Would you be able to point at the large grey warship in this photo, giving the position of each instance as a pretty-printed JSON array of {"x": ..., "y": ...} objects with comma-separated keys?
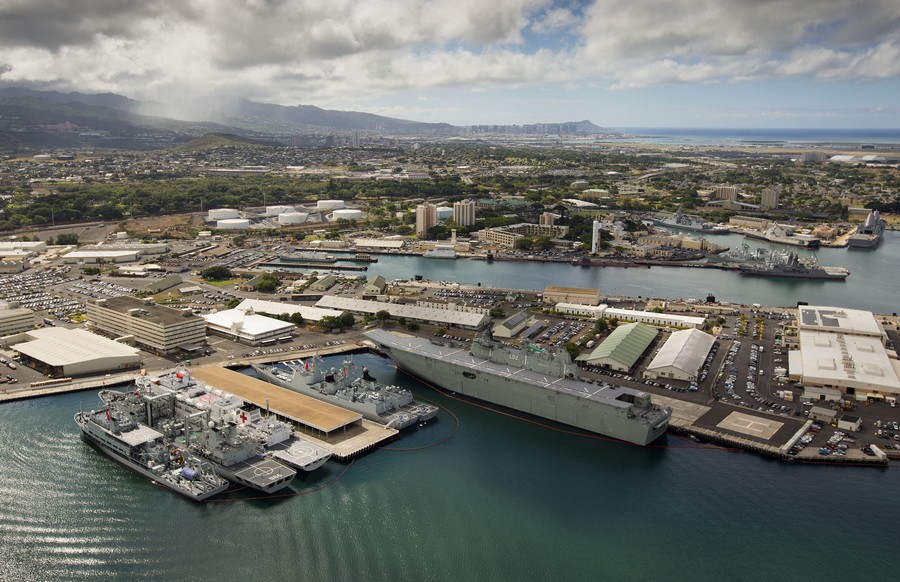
[
  {"x": 530, "y": 380},
  {"x": 869, "y": 233},
  {"x": 391, "y": 406},
  {"x": 146, "y": 452}
]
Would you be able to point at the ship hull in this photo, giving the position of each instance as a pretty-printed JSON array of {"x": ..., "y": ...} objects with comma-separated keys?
[
  {"x": 564, "y": 408},
  {"x": 816, "y": 276},
  {"x": 143, "y": 471},
  {"x": 864, "y": 241},
  {"x": 801, "y": 243}
]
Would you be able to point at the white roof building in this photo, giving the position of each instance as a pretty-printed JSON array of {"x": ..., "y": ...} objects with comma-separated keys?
[
  {"x": 647, "y": 317},
  {"x": 112, "y": 256},
  {"x": 247, "y": 327},
  {"x": 856, "y": 364},
  {"x": 839, "y": 320},
  {"x": 446, "y": 317},
  {"x": 682, "y": 355},
  {"x": 75, "y": 352},
  {"x": 307, "y": 312}
]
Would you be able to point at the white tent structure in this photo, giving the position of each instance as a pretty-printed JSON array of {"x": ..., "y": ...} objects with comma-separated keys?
[{"x": 681, "y": 356}]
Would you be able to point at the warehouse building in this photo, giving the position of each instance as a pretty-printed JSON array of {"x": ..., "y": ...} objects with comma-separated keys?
[
  {"x": 61, "y": 352},
  {"x": 841, "y": 352},
  {"x": 247, "y": 327},
  {"x": 461, "y": 319},
  {"x": 307, "y": 312},
  {"x": 512, "y": 325},
  {"x": 681, "y": 357},
  {"x": 623, "y": 348},
  {"x": 155, "y": 328},
  {"x": 632, "y": 315},
  {"x": 576, "y": 295}
]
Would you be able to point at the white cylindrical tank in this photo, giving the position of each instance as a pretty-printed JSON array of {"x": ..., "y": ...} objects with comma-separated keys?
[
  {"x": 348, "y": 213},
  {"x": 292, "y": 218},
  {"x": 222, "y": 214},
  {"x": 233, "y": 224},
  {"x": 443, "y": 212},
  {"x": 329, "y": 204},
  {"x": 276, "y": 210}
]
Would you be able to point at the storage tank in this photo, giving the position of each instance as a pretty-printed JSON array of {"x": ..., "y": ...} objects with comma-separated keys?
[
  {"x": 443, "y": 212},
  {"x": 222, "y": 214},
  {"x": 277, "y": 210},
  {"x": 233, "y": 224},
  {"x": 348, "y": 213},
  {"x": 292, "y": 218},
  {"x": 329, "y": 204}
]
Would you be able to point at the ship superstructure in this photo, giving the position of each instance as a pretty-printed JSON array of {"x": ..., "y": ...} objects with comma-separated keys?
[
  {"x": 790, "y": 266},
  {"x": 146, "y": 452},
  {"x": 869, "y": 233},
  {"x": 389, "y": 405},
  {"x": 539, "y": 382}
]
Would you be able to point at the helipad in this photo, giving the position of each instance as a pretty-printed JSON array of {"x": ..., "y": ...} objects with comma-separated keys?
[{"x": 755, "y": 426}]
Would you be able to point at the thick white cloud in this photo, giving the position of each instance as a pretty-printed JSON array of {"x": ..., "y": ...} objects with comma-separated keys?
[{"x": 347, "y": 51}]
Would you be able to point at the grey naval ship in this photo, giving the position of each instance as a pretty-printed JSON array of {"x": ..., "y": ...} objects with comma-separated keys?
[
  {"x": 391, "y": 406},
  {"x": 241, "y": 445},
  {"x": 869, "y": 233},
  {"x": 530, "y": 380},
  {"x": 146, "y": 452}
]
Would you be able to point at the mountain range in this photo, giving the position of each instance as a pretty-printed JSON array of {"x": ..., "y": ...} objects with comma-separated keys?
[{"x": 34, "y": 120}]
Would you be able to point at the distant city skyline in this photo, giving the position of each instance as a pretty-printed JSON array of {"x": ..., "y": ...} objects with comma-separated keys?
[{"x": 638, "y": 63}]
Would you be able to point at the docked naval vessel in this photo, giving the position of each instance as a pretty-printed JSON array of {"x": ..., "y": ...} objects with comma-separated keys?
[
  {"x": 789, "y": 266},
  {"x": 681, "y": 221},
  {"x": 869, "y": 233},
  {"x": 210, "y": 424},
  {"x": 530, "y": 380},
  {"x": 389, "y": 405},
  {"x": 146, "y": 452}
]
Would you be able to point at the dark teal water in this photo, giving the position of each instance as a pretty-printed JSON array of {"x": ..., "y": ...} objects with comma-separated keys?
[
  {"x": 501, "y": 500},
  {"x": 872, "y": 284}
]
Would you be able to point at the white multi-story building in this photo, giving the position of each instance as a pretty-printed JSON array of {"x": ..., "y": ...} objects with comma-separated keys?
[
  {"x": 464, "y": 212},
  {"x": 155, "y": 328}
]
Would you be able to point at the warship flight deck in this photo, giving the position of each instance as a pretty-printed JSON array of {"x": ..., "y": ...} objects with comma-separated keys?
[{"x": 345, "y": 433}]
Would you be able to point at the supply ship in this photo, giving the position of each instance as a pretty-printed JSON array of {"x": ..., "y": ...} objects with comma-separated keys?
[
  {"x": 869, "y": 233},
  {"x": 681, "y": 221},
  {"x": 385, "y": 404},
  {"x": 789, "y": 266},
  {"x": 146, "y": 452},
  {"x": 530, "y": 380}
]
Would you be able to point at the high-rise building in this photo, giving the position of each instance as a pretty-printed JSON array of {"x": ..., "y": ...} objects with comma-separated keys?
[
  {"x": 768, "y": 199},
  {"x": 547, "y": 219},
  {"x": 595, "y": 238},
  {"x": 464, "y": 212},
  {"x": 426, "y": 217},
  {"x": 354, "y": 141},
  {"x": 726, "y": 193}
]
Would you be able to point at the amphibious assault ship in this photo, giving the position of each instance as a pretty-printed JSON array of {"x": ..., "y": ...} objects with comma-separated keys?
[
  {"x": 530, "y": 380},
  {"x": 385, "y": 404},
  {"x": 869, "y": 233},
  {"x": 146, "y": 452}
]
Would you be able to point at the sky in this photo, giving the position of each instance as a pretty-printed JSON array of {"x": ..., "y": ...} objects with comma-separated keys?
[{"x": 618, "y": 63}]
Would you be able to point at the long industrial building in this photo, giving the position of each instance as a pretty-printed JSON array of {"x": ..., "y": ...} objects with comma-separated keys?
[
  {"x": 461, "y": 319},
  {"x": 15, "y": 320},
  {"x": 62, "y": 352},
  {"x": 681, "y": 357},
  {"x": 246, "y": 327},
  {"x": 842, "y": 352},
  {"x": 647, "y": 317},
  {"x": 623, "y": 348},
  {"x": 155, "y": 328}
]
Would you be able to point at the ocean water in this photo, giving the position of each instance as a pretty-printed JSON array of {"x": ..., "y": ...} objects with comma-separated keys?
[
  {"x": 501, "y": 499},
  {"x": 760, "y": 136}
]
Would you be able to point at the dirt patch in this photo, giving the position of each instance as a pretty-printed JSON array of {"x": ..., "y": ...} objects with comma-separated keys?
[{"x": 178, "y": 226}]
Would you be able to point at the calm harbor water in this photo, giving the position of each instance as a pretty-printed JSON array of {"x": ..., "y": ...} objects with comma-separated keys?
[
  {"x": 500, "y": 500},
  {"x": 872, "y": 284}
]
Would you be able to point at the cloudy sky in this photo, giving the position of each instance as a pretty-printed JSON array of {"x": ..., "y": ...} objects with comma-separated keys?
[{"x": 619, "y": 63}]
